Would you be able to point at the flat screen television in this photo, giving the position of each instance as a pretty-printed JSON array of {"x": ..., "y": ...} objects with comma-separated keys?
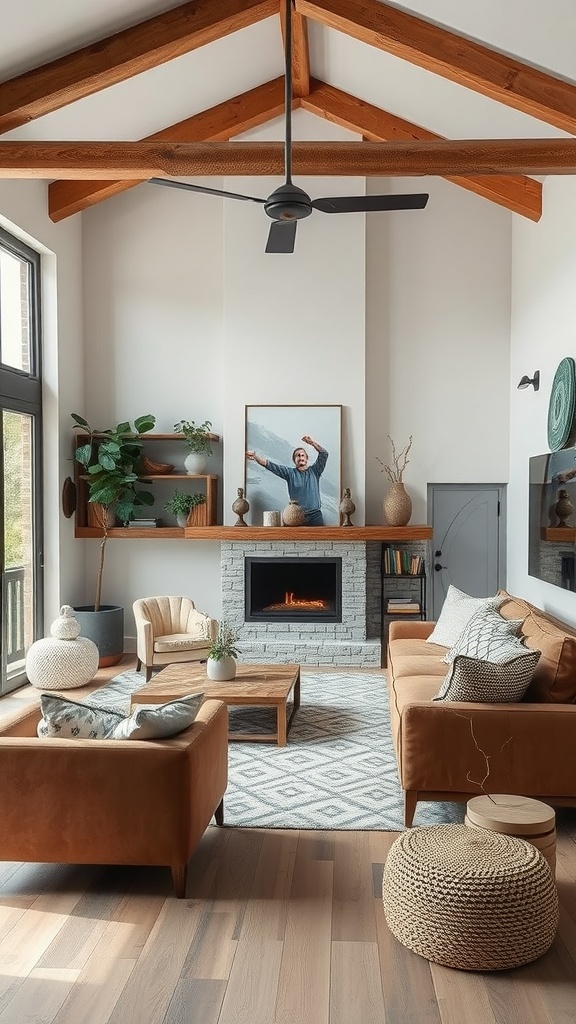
[{"x": 551, "y": 523}]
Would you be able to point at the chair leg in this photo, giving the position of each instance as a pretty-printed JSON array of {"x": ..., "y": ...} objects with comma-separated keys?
[
  {"x": 219, "y": 813},
  {"x": 138, "y": 664},
  {"x": 179, "y": 880},
  {"x": 148, "y": 673}
]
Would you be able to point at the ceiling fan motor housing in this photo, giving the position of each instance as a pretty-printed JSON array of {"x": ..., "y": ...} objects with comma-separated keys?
[{"x": 288, "y": 203}]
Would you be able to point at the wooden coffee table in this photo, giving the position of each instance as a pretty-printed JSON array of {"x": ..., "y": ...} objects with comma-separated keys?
[{"x": 256, "y": 685}]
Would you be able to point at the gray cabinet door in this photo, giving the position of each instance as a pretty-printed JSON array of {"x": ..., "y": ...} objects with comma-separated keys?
[{"x": 468, "y": 540}]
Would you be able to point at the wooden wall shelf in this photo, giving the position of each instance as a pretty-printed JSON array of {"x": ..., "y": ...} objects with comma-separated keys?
[
  {"x": 562, "y": 534},
  {"x": 344, "y": 534}
]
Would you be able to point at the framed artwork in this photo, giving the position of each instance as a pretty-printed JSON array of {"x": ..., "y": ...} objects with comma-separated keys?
[{"x": 293, "y": 452}]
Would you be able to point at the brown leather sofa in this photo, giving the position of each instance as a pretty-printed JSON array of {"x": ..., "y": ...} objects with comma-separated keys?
[
  {"x": 84, "y": 801},
  {"x": 449, "y": 750}
]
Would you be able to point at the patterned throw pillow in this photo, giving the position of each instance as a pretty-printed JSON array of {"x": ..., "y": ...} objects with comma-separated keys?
[
  {"x": 457, "y": 610},
  {"x": 489, "y": 682},
  {"x": 486, "y": 636},
  {"x": 68, "y": 719},
  {"x": 155, "y": 721}
]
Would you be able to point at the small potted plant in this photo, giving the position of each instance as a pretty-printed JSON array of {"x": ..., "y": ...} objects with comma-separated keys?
[
  {"x": 221, "y": 665},
  {"x": 197, "y": 439},
  {"x": 180, "y": 504}
]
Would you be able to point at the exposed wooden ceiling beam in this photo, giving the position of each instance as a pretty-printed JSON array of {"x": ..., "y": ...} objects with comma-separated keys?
[
  {"x": 518, "y": 193},
  {"x": 300, "y": 52},
  {"x": 223, "y": 121},
  {"x": 454, "y": 57},
  {"x": 131, "y": 160},
  {"x": 123, "y": 55}
]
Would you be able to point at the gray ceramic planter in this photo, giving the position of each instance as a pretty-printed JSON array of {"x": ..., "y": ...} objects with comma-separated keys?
[{"x": 106, "y": 628}]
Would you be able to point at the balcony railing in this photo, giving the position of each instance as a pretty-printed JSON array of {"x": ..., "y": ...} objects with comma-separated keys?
[{"x": 14, "y": 612}]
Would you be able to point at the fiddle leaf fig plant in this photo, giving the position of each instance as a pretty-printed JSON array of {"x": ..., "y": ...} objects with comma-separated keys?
[{"x": 108, "y": 459}]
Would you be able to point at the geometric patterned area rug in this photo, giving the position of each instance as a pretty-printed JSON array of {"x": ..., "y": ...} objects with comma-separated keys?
[{"x": 338, "y": 770}]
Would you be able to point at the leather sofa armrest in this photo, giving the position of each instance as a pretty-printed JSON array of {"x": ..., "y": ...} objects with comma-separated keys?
[{"x": 414, "y": 630}]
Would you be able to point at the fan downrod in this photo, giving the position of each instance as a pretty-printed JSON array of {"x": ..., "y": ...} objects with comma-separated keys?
[{"x": 288, "y": 202}]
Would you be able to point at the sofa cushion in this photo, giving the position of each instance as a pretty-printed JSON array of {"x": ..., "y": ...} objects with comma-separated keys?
[
  {"x": 69, "y": 719},
  {"x": 487, "y": 636},
  {"x": 456, "y": 612},
  {"x": 157, "y": 721},
  {"x": 489, "y": 682},
  {"x": 554, "y": 680}
]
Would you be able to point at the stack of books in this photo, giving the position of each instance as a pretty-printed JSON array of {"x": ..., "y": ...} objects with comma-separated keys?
[
  {"x": 402, "y": 606},
  {"x": 139, "y": 523}
]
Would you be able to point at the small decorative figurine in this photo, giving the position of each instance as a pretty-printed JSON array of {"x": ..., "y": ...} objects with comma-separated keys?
[
  {"x": 346, "y": 508},
  {"x": 563, "y": 508},
  {"x": 240, "y": 507}
]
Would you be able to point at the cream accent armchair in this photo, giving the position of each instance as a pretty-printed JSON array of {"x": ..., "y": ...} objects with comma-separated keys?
[{"x": 171, "y": 629}]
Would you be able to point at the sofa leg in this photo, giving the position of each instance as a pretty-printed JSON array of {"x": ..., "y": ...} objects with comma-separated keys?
[
  {"x": 219, "y": 813},
  {"x": 410, "y": 801},
  {"x": 179, "y": 880}
]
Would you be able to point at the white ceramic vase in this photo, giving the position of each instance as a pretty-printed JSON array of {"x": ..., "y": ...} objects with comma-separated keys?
[
  {"x": 182, "y": 518},
  {"x": 194, "y": 464},
  {"x": 222, "y": 669}
]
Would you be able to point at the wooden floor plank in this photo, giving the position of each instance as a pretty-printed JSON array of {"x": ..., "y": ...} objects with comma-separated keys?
[
  {"x": 99, "y": 986},
  {"x": 304, "y": 982},
  {"x": 253, "y": 986},
  {"x": 353, "y": 905},
  {"x": 196, "y": 1002},
  {"x": 554, "y": 976},
  {"x": 267, "y": 907},
  {"x": 462, "y": 996},
  {"x": 148, "y": 992},
  {"x": 408, "y": 990},
  {"x": 40, "y": 996},
  {"x": 356, "y": 989}
]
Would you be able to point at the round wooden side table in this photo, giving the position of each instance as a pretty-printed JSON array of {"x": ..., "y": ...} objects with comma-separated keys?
[{"x": 518, "y": 816}]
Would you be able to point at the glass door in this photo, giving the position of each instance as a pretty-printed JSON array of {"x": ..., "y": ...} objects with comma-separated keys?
[{"x": 20, "y": 461}]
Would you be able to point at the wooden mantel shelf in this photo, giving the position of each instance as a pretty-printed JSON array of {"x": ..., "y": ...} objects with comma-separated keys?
[
  {"x": 563, "y": 534},
  {"x": 345, "y": 534}
]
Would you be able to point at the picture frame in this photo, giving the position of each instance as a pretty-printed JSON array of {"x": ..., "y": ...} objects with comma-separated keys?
[{"x": 274, "y": 433}]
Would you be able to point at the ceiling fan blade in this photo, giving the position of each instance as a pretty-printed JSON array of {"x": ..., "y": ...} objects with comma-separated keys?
[
  {"x": 204, "y": 189},
  {"x": 367, "y": 204},
  {"x": 282, "y": 236}
]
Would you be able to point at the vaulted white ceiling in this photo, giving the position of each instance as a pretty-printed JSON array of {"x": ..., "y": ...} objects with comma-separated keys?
[{"x": 536, "y": 33}]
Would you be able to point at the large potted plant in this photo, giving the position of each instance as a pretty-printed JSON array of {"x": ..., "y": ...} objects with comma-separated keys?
[
  {"x": 197, "y": 438},
  {"x": 108, "y": 459}
]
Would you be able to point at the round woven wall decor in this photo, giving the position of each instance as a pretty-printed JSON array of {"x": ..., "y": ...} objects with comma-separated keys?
[{"x": 562, "y": 405}]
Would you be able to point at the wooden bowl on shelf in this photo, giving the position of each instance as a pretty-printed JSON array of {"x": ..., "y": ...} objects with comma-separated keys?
[{"x": 150, "y": 468}]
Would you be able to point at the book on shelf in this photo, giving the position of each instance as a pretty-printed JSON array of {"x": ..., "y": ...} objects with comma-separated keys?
[
  {"x": 138, "y": 523},
  {"x": 403, "y": 609},
  {"x": 400, "y": 562}
]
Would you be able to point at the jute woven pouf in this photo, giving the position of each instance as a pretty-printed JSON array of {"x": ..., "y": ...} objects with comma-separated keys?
[{"x": 470, "y": 899}]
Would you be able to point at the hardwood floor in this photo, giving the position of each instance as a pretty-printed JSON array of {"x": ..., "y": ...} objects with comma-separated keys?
[{"x": 278, "y": 927}]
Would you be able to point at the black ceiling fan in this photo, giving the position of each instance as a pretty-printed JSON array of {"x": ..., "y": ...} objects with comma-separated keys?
[{"x": 289, "y": 203}]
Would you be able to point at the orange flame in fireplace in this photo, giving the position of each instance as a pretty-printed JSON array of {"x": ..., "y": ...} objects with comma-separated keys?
[{"x": 293, "y": 602}]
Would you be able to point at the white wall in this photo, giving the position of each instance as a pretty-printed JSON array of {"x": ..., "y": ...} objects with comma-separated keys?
[
  {"x": 23, "y": 211},
  {"x": 543, "y": 333},
  {"x": 438, "y": 323}
]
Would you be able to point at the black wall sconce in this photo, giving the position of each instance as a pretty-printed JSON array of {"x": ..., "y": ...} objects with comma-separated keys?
[{"x": 525, "y": 381}]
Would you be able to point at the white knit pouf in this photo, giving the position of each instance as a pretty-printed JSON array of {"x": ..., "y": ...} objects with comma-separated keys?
[{"x": 65, "y": 659}]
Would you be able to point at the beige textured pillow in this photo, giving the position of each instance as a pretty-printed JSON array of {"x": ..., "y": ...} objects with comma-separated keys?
[
  {"x": 457, "y": 610},
  {"x": 158, "y": 721}
]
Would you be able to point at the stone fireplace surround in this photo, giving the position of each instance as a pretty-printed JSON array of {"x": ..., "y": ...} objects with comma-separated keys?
[{"x": 356, "y": 641}]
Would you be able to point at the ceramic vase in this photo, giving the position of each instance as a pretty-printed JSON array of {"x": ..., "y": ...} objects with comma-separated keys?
[
  {"x": 397, "y": 505},
  {"x": 293, "y": 514},
  {"x": 182, "y": 519},
  {"x": 194, "y": 464},
  {"x": 222, "y": 669}
]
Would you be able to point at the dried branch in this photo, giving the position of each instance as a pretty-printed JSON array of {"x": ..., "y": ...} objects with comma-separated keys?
[
  {"x": 399, "y": 462},
  {"x": 487, "y": 757}
]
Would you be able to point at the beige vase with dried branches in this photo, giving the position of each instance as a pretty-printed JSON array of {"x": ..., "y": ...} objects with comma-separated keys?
[{"x": 397, "y": 504}]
